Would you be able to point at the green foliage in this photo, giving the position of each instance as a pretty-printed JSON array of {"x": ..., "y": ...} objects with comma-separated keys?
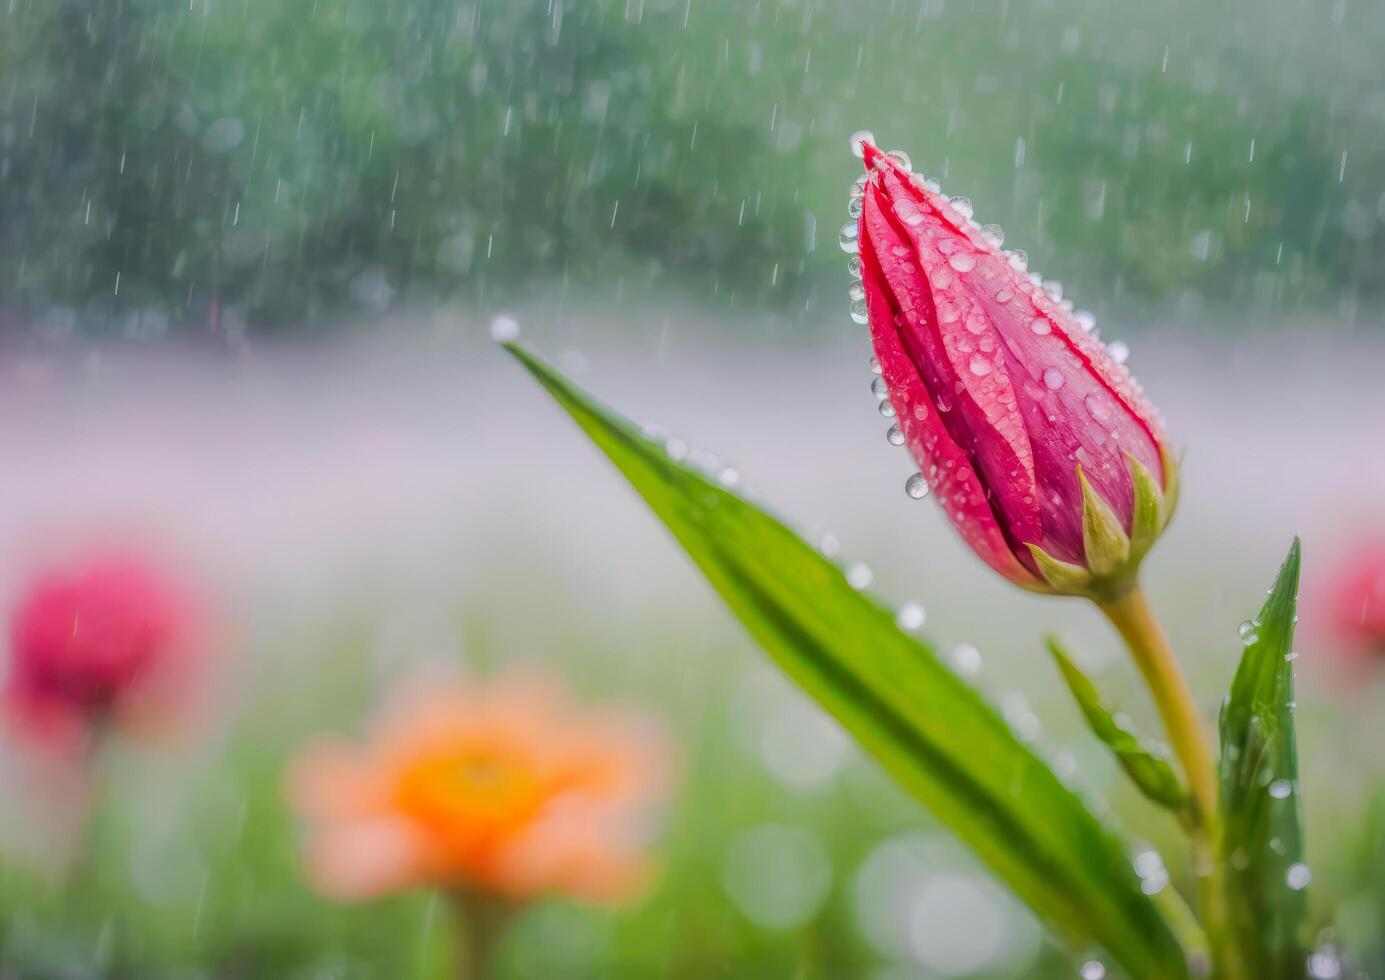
[
  {"x": 1262, "y": 814},
  {"x": 1146, "y": 765},
  {"x": 932, "y": 732},
  {"x": 254, "y": 163}
]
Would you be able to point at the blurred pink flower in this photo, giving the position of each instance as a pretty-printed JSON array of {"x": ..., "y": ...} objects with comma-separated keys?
[
  {"x": 1352, "y": 602},
  {"x": 110, "y": 640},
  {"x": 504, "y": 788}
]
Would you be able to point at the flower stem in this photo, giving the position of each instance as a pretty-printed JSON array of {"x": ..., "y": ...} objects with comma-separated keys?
[
  {"x": 478, "y": 921},
  {"x": 1135, "y": 621}
]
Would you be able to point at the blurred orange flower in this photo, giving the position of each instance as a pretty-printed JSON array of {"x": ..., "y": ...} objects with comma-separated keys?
[{"x": 505, "y": 787}]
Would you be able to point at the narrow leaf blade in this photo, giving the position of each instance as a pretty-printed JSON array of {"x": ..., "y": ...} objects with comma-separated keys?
[
  {"x": 1148, "y": 768},
  {"x": 934, "y": 734},
  {"x": 1262, "y": 815}
]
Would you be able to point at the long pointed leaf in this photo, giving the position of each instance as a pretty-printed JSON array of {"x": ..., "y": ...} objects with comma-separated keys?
[
  {"x": 1147, "y": 768},
  {"x": 937, "y": 737},
  {"x": 1263, "y": 836}
]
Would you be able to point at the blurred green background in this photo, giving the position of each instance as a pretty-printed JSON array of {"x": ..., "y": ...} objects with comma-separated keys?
[
  {"x": 343, "y": 193},
  {"x": 275, "y": 164}
]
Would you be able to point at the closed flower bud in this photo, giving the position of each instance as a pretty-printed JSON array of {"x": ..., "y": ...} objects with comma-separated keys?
[{"x": 1039, "y": 446}]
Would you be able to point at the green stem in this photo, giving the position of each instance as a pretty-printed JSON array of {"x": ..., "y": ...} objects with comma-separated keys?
[
  {"x": 478, "y": 921},
  {"x": 1135, "y": 621}
]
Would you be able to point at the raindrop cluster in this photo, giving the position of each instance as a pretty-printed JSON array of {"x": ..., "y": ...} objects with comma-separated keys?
[{"x": 917, "y": 486}]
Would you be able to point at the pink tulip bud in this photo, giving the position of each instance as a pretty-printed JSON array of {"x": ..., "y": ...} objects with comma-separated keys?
[
  {"x": 1039, "y": 446},
  {"x": 111, "y": 639}
]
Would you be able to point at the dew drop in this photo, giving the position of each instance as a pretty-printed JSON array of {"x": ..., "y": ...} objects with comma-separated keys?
[
  {"x": 1084, "y": 320},
  {"x": 980, "y": 365},
  {"x": 994, "y": 234},
  {"x": 908, "y": 212},
  {"x": 1324, "y": 964},
  {"x": 1003, "y": 295},
  {"x": 1119, "y": 351},
  {"x": 1092, "y": 970},
  {"x": 962, "y": 205},
  {"x": 1281, "y": 789},
  {"x": 1053, "y": 379},
  {"x": 875, "y": 366},
  {"x": 901, "y": 159},
  {"x": 965, "y": 659},
  {"x": 962, "y": 262},
  {"x": 858, "y": 312},
  {"x": 858, "y": 139},
  {"x": 1053, "y": 287},
  {"x": 504, "y": 329},
  {"x": 859, "y": 575},
  {"x": 910, "y": 616},
  {"x": 1040, "y": 325},
  {"x": 916, "y": 486},
  {"x": 1298, "y": 876},
  {"x": 1097, "y": 408},
  {"x": 879, "y": 388},
  {"x": 1019, "y": 259},
  {"x": 853, "y": 266},
  {"x": 894, "y": 436},
  {"x": 886, "y": 409},
  {"x": 856, "y": 290},
  {"x": 847, "y": 239}
]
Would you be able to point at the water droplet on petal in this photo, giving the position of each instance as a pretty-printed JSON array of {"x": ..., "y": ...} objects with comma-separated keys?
[
  {"x": 1053, "y": 287},
  {"x": 1119, "y": 351},
  {"x": 875, "y": 366},
  {"x": 859, "y": 575},
  {"x": 994, "y": 234},
  {"x": 980, "y": 365},
  {"x": 858, "y": 138},
  {"x": 886, "y": 409},
  {"x": 916, "y": 486},
  {"x": 894, "y": 436},
  {"x": 858, "y": 312},
  {"x": 1084, "y": 320},
  {"x": 879, "y": 388},
  {"x": 908, "y": 212},
  {"x": 901, "y": 158},
  {"x": 1040, "y": 325},
  {"x": 1298, "y": 876},
  {"x": 1053, "y": 379},
  {"x": 962, "y": 262},
  {"x": 1019, "y": 259},
  {"x": 853, "y": 266},
  {"x": 855, "y": 206},
  {"x": 856, "y": 290}
]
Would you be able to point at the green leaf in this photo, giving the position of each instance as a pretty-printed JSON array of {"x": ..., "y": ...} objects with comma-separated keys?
[
  {"x": 937, "y": 737},
  {"x": 1142, "y": 762},
  {"x": 1263, "y": 833}
]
